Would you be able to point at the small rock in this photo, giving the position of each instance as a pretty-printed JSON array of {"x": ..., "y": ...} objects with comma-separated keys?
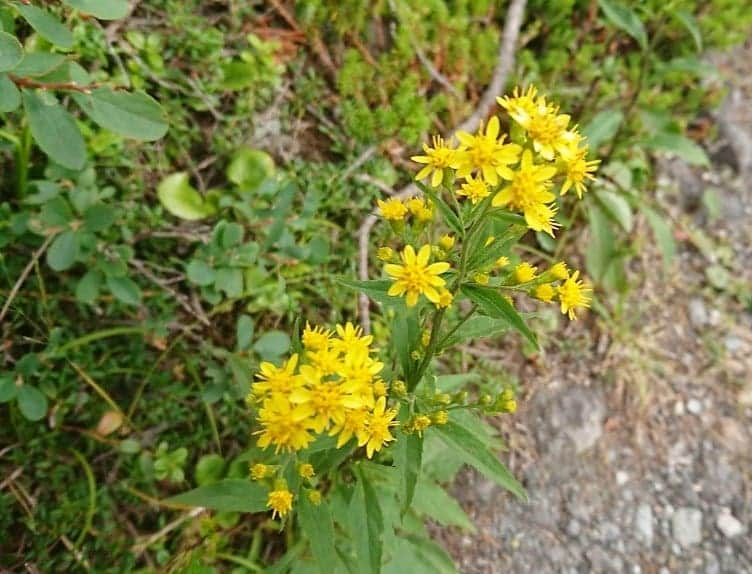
[
  {"x": 644, "y": 523},
  {"x": 686, "y": 525},
  {"x": 574, "y": 528},
  {"x": 621, "y": 478},
  {"x": 698, "y": 313},
  {"x": 694, "y": 406},
  {"x": 728, "y": 524},
  {"x": 733, "y": 343},
  {"x": 679, "y": 408}
]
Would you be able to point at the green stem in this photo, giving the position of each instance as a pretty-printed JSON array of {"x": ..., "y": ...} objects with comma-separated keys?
[
  {"x": 459, "y": 324},
  {"x": 23, "y": 155}
]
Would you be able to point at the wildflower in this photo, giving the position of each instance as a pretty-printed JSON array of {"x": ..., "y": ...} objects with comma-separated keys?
[
  {"x": 559, "y": 271},
  {"x": 415, "y": 277},
  {"x": 315, "y": 339},
  {"x": 416, "y": 355},
  {"x": 475, "y": 189},
  {"x": 446, "y": 242},
  {"x": 486, "y": 154},
  {"x": 529, "y": 192},
  {"x": 502, "y": 262},
  {"x": 521, "y": 106},
  {"x": 577, "y": 171},
  {"x": 524, "y": 272},
  {"x": 283, "y": 425},
  {"x": 379, "y": 388},
  {"x": 545, "y": 292},
  {"x": 259, "y": 471},
  {"x": 445, "y": 299},
  {"x": 506, "y": 402},
  {"x": 399, "y": 389},
  {"x": 424, "y": 215},
  {"x": 280, "y": 501},
  {"x": 305, "y": 470},
  {"x": 482, "y": 278},
  {"x": 377, "y": 433},
  {"x": 392, "y": 209},
  {"x": 420, "y": 423},
  {"x": 415, "y": 204},
  {"x": 425, "y": 338},
  {"x": 440, "y": 417},
  {"x": 489, "y": 240},
  {"x": 351, "y": 339},
  {"x": 437, "y": 159},
  {"x": 442, "y": 398},
  {"x": 353, "y": 424},
  {"x": 385, "y": 254},
  {"x": 274, "y": 379},
  {"x": 314, "y": 497},
  {"x": 573, "y": 293}
]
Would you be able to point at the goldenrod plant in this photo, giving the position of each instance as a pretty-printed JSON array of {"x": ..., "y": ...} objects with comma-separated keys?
[{"x": 340, "y": 424}]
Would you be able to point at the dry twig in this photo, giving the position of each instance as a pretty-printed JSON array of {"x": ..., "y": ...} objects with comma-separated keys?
[{"x": 25, "y": 273}]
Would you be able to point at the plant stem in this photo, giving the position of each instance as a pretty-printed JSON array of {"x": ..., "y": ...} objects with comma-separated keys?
[
  {"x": 23, "y": 155},
  {"x": 459, "y": 324}
]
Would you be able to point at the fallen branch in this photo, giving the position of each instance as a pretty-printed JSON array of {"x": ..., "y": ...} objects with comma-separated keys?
[{"x": 504, "y": 65}]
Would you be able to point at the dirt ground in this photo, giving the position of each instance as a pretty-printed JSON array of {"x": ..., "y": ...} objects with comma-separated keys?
[{"x": 635, "y": 444}]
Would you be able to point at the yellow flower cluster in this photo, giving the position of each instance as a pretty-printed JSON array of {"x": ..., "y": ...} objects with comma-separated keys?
[
  {"x": 416, "y": 277},
  {"x": 396, "y": 210},
  {"x": 333, "y": 388},
  {"x": 555, "y": 284},
  {"x": 520, "y": 173}
]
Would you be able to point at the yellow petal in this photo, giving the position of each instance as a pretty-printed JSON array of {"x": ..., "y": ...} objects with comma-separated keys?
[
  {"x": 423, "y": 173},
  {"x": 412, "y": 299},
  {"x": 424, "y": 255},
  {"x": 492, "y": 130},
  {"x": 438, "y": 175},
  {"x": 438, "y": 268}
]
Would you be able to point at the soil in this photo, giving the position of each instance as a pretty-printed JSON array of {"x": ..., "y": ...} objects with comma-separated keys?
[{"x": 635, "y": 442}]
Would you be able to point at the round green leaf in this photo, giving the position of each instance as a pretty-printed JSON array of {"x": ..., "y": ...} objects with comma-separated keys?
[
  {"x": 8, "y": 388},
  {"x": 55, "y": 131},
  {"x": 98, "y": 217},
  {"x": 11, "y": 52},
  {"x": 38, "y": 64},
  {"x": 209, "y": 469},
  {"x": 134, "y": 115},
  {"x": 32, "y": 403},
  {"x": 250, "y": 167},
  {"x": 179, "y": 198},
  {"x": 200, "y": 273},
  {"x": 124, "y": 289},
  {"x": 63, "y": 252},
  {"x": 102, "y": 9},
  {"x": 87, "y": 289},
  {"x": 272, "y": 344},
  {"x": 10, "y": 97},
  {"x": 244, "y": 332},
  {"x": 47, "y": 25}
]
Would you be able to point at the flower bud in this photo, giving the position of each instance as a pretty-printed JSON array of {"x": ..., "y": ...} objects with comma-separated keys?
[
  {"x": 259, "y": 471},
  {"x": 399, "y": 388},
  {"x": 440, "y": 417}
]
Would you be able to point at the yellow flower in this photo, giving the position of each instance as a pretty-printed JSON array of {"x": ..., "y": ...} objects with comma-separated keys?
[
  {"x": 379, "y": 388},
  {"x": 377, "y": 433},
  {"x": 315, "y": 339},
  {"x": 392, "y": 209},
  {"x": 280, "y": 501},
  {"x": 351, "y": 339},
  {"x": 521, "y": 106},
  {"x": 445, "y": 299},
  {"x": 355, "y": 422},
  {"x": 424, "y": 215},
  {"x": 283, "y": 425},
  {"x": 385, "y": 254},
  {"x": 524, "y": 272},
  {"x": 529, "y": 192},
  {"x": 259, "y": 471},
  {"x": 578, "y": 170},
  {"x": 314, "y": 497},
  {"x": 542, "y": 121},
  {"x": 559, "y": 271},
  {"x": 276, "y": 379},
  {"x": 415, "y": 277},
  {"x": 506, "y": 402},
  {"x": 475, "y": 189},
  {"x": 420, "y": 423},
  {"x": 545, "y": 292},
  {"x": 441, "y": 417},
  {"x": 324, "y": 401},
  {"x": 486, "y": 154},
  {"x": 502, "y": 262},
  {"x": 489, "y": 240},
  {"x": 437, "y": 159},
  {"x": 446, "y": 242},
  {"x": 425, "y": 338},
  {"x": 399, "y": 389},
  {"x": 305, "y": 470},
  {"x": 573, "y": 293},
  {"x": 482, "y": 278}
]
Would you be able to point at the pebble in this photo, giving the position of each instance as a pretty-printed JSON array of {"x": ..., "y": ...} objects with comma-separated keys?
[
  {"x": 644, "y": 523},
  {"x": 694, "y": 406},
  {"x": 728, "y": 524},
  {"x": 621, "y": 477},
  {"x": 733, "y": 343},
  {"x": 686, "y": 525},
  {"x": 698, "y": 313}
]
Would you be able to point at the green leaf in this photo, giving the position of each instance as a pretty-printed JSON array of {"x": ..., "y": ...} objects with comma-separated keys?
[
  {"x": 602, "y": 127},
  {"x": 209, "y": 469},
  {"x": 87, "y": 288},
  {"x": 316, "y": 522},
  {"x": 102, "y": 9},
  {"x": 477, "y": 454},
  {"x": 408, "y": 453},
  {"x": 55, "y": 131},
  {"x": 124, "y": 289},
  {"x": 8, "y": 388},
  {"x": 229, "y": 280},
  {"x": 494, "y": 305},
  {"x": 484, "y": 255},
  {"x": 477, "y": 327},
  {"x": 690, "y": 23},
  {"x": 663, "y": 235},
  {"x": 450, "y": 217},
  {"x": 367, "y": 525},
  {"x": 272, "y": 345},
  {"x": 679, "y": 145},
  {"x": 601, "y": 248},
  {"x": 38, "y": 64},
  {"x": 200, "y": 273},
  {"x": 10, "y": 97},
  {"x": 11, "y": 52},
  {"x": 47, "y": 25},
  {"x": 376, "y": 289},
  {"x": 98, "y": 217},
  {"x": 31, "y": 402},
  {"x": 228, "y": 495},
  {"x": 617, "y": 207},
  {"x": 507, "y": 217},
  {"x": 180, "y": 198},
  {"x": 625, "y": 19},
  {"x": 249, "y": 168},
  {"x": 243, "y": 332},
  {"x": 63, "y": 251},
  {"x": 433, "y": 501},
  {"x": 131, "y": 114}
]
